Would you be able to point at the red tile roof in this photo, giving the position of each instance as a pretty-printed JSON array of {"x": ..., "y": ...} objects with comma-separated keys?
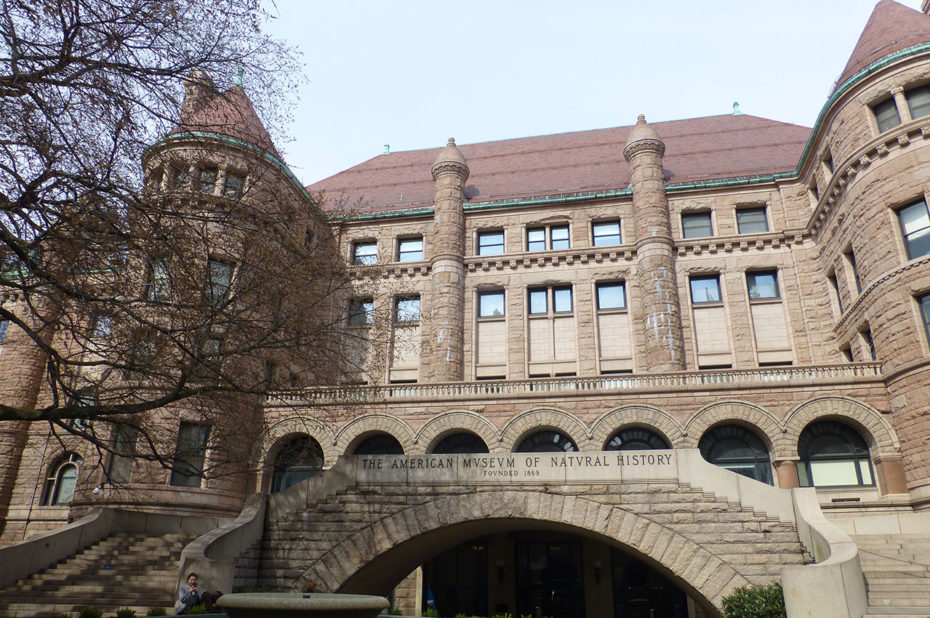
[
  {"x": 231, "y": 113},
  {"x": 696, "y": 149},
  {"x": 891, "y": 28}
]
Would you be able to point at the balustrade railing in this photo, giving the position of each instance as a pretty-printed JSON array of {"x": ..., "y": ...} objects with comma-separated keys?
[{"x": 728, "y": 378}]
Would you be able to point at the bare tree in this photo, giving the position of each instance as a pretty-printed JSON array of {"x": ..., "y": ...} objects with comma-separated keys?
[{"x": 202, "y": 283}]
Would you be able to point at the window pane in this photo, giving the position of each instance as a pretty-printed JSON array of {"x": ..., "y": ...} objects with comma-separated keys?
[
  {"x": 918, "y": 101},
  {"x": 361, "y": 312},
  {"x": 103, "y": 326},
  {"x": 234, "y": 184},
  {"x": 705, "y": 289},
  {"x": 762, "y": 285},
  {"x": 751, "y": 221},
  {"x": 611, "y": 296},
  {"x": 208, "y": 179},
  {"x": 887, "y": 115},
  {"x": 64, "y": 488},
  {"x": 606, "y": 233},
  {"x": 4, "y": 325},
  {"x": 188, "y": 459},
  {"x": 538, "y": 301},
  {"x": 559, "y": 234},
  {"x": 410, "y": 250},
  {"x": 865, "y": 470},
  {"x": 916, "y": 226},
  {"x": 365, "y": 253},
  {"x": 220, "y": 278},
  {"x": 536, "y": 239},
  {"x": 408, "y": 309},
  {"x": 490, "y": 243},
  {"x": 825, "y": 473},
  {"x": 696, "y": 225},
  {"x": 562, "y": 299},
  {"x": 491, "y": 304},
  {"x": 925, "y": 313}
]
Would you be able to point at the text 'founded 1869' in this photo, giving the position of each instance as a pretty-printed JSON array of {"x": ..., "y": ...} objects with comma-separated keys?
[{"x": 594, "y": 467}]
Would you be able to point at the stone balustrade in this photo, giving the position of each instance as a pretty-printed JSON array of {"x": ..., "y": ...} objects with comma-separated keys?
[{"x": 645, "y": 383}]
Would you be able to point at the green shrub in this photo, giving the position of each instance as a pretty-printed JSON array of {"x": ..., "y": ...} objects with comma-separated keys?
[
  {"x": 156, "y": 611},
  {"x": 125, "y": 612},
  {"x": 755, "y": 602},
  {"x": 196, "y": 609},
  {"x": 430, "y": 612},
  {"x": 90, "y": 612},
  {"x": 396, "y": 612}
]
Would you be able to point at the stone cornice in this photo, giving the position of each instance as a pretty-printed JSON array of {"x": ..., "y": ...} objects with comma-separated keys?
[{"x": 855, "y": 314}]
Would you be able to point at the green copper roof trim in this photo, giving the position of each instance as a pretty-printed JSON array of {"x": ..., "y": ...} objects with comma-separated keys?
[
  {"x": 882, "y": 62},
  {"x": 248, "y": 146}
]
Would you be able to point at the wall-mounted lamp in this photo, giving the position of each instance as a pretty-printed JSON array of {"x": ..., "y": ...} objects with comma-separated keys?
[
  {"x": 500, "y": 570},
  {"x": 597, "y": 571}
]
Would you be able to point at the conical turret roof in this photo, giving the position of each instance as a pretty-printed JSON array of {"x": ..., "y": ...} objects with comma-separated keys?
[
  {"x": 892, "y": 27},
  {"x": 230, "y": 113}
]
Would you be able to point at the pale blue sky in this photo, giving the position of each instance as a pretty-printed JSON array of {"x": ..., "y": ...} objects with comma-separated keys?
[{"x": 412, "y": 73}]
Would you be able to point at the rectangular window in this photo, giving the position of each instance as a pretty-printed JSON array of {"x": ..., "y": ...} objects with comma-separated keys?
[
  {"x": 886, "y": 115},
  {"x": 410, "y": 249},
  {"x": 4, "y": 327},
  {"x": 234, "y": 185},
  {"x": 751, "y": 221},
  {"x": 491, "y": 243},
  {"x": 491, "y": 304},
  {"x": 611, "y": 296},
  {"x": 851, "y": 261},
  {"x": 924, "y": 302},
  {"x": 187, "y": 470},
  {"x": 361, "y": 312},
  {"x": 551, "y": 237},
  {"x": 156, "y": 280},
  {"x": 219, "y": 281},
  {"x": 918, "y": 101},
  {"x": 828, "y": 161},
  {"x": 365, "y": 253},
  {"x": 696, "y": 225},
  {"x": 831, "y": 278},
  {"x": 606, "y": 233},
  {"x": 869, "y": 344},
  {"x": 559, "y": 298},
  {"x": 124, "y": 450},
  {"x": 705, "y": 289},
  {"x": 177, "y": 178},
  {"x": 407, "y": 310},
  {"x": 762, "y": 285},
  {"x": 208, "y": 177},
  {"x": 915, "y": 225}
]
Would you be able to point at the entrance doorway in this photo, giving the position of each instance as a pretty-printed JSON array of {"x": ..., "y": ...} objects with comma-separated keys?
[{"x": 549, "y": 579}]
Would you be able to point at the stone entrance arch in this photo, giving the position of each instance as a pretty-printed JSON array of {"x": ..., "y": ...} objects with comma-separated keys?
[{"x": 374, "y": 558}]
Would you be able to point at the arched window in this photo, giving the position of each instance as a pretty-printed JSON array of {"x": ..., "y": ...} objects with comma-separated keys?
[
  {"x": 635, "y": 439},
  {"x": 833, "y": 454},
  {"x": 546, "y": 441},
  {"x": 737, "y": 449},
  {"x": 379, "y": 444},
  {"x": 297, "y": 460},
  {"x": 461, "y": 442},
  {"x": 61, "y": 480}
]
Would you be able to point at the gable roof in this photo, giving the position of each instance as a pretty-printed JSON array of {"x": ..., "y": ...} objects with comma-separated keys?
[
  {"x": 697, "y": 149},
  {"x": 891, "y": 27},
  {"x": 230, "y": 113}
]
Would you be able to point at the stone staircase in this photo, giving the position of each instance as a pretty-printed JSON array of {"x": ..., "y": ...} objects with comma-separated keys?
[
  {"x": 122, "y": 570},
  {"x": 897, "y": 573}
]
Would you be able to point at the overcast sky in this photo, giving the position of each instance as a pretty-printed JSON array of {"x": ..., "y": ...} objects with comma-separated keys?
[{"x": 412, "y": 73}]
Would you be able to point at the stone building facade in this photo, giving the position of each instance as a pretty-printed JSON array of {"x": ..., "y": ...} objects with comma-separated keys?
[{"x": 733, "y": 286}]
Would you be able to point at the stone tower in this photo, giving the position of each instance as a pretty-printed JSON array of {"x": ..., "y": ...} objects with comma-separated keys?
[
  {"x": 447, "y": 358},
  {"x": 661, "y": 311}
]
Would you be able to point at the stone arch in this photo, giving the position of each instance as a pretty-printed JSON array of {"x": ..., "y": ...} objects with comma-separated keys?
[
  {"x": 527, "y": 422},
  {"x": 706, "y": 576},
  {"x": 274, "y": 436},
  {"x": 353, "y": 432},
  {"x": 762, "y": 422},
  {"x": 635, "y": 415},
  {"x": 453, "y": 421},
  {"x": 869, "y": 422}
]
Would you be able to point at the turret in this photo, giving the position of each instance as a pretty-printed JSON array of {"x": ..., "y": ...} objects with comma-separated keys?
[
  {"x": 447, "y": 359},
  {"x": 660, "y": 310}
]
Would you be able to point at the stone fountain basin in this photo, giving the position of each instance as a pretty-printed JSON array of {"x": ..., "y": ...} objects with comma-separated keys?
[{"x": 298, "y": 605}]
